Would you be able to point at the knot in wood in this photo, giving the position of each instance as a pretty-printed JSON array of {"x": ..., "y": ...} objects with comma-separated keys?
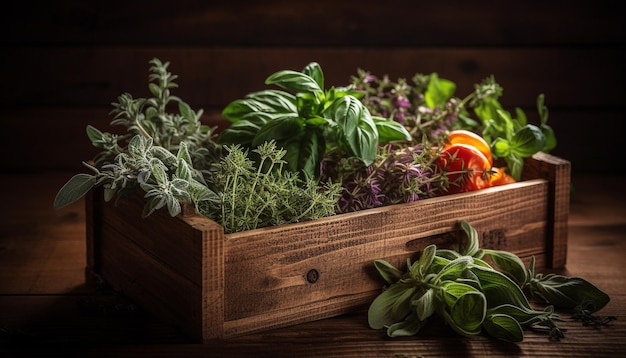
[{"x": 312, "y": 276}]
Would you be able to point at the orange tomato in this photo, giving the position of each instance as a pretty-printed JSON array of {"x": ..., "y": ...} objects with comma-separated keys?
[
  {"x": 465, "y": 166},
  {"x": 499, "y": 177},
  {"x": 462, "y": 136}
]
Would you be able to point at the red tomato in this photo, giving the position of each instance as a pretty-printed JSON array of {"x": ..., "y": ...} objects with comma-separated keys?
[{"x": 465, "y": 166}]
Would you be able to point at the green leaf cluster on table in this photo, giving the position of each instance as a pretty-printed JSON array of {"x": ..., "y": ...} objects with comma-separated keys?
[
  {"x": 473, "y": 296},
  {"x": 308, "y": 120}
]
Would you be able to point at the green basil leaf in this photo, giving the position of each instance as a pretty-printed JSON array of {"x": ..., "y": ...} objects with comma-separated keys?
[
  {"x": 308, "y": 105},
  {"x": 390, "y": 131},
  {"x": 500, "y": 148},
  {"x": 242, "y": 132},
  {"x": 516, "y": 165},
  {"x": 314, "y": 70},
  {"x": 355, "y": 126},
  {"x": 304, "y": 152},
  {"x": 548, "y": 133},
  {"x": 268, "y": 101},
  {"x": 438, "y": 92},
  {"x": 294, "y": 82},
  {"x": 487, "y": 110},
  {"x": 74, "y": 189},
  {"x": 528, "y": 141},
  {"x": 503, "y": 327}
]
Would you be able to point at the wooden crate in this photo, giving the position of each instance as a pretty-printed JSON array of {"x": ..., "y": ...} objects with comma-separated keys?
[{"x": 186, "y": 271}]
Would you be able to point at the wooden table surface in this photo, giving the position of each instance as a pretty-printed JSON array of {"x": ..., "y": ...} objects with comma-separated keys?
[{"x": 48, "y": 309}]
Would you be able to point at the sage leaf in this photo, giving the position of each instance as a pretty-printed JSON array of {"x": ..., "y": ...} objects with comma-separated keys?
[
  {"x": 74, "y": 189},
  {"x": 499, "y": 288},
  {"x": 424, "y": 306},
  {"x": 510, "y": 264},
  {"x": 568, "y": 292},
  {"x": 409, "y": 327},
  {"x": 472, "y": 246},
  {"x": 388, "y": 272},
  {"x": 384, "y": 310},
  {"x": 503, "y": 327}
]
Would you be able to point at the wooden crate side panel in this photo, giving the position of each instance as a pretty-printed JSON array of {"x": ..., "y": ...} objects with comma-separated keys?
[
  {"x": 305, "y": 266},
  {"x": 169, "y": 239},
  {"x": 153, "y": 285},
  {"x": 557, "y": 172}
]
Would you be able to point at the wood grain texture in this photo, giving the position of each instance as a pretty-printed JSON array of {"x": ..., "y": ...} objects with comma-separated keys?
[
  {"x": 211, "y": 77},
  {"x": 327, "y": 23},
  {"x": 74, "y": 318},
  {"x": 281, "y": 276}
]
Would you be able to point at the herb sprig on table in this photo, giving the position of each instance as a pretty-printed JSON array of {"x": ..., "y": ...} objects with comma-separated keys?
[{"x": 473, "y": 295}]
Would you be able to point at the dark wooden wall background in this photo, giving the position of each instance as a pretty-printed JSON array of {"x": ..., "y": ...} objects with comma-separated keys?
[{"x": 64, "y": 62}]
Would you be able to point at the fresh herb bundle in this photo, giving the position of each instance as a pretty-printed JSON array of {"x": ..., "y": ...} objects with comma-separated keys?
[
  {"x": 176, "y": 160},
  {"x": 474, "y": 296},
  {"x": 428, "y": 107}
]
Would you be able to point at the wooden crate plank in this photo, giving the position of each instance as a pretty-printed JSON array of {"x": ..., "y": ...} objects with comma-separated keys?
[
  {"x": 341, "y": 249},
  {"x": 214, "y": 76},
  {"x": 345, "y": 23}
]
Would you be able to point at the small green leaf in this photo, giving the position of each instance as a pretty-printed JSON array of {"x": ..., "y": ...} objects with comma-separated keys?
[
  {"x": 381, "y": 311},
  {"x": 439, "y": 91},
  {"x": 528, "y": 141},
  {"x": 468, "y": 312},
  {"x": 503, "y": 327},
  {"x": 499, "y": 288},
  {"x": 425, "y": 305},
  {"x": 74, "y": 189},
  {"x": 390, "y": 131},
  {"x": 568, "y": 292},
  {"x": 294, "y": 81},
  {"x": 510, "y": 264},
  {"x": 355, "y": 126},
  {"x": 501, "y": 148},
  {"x": 94, "y": 134},
  {"x": 473, "y": 245},
  {"x": 408, "y": 327},
  {"x": 314, "y": 70},
  {"x": 388, "y": 272},
  {"x": 548, "y": 133}
]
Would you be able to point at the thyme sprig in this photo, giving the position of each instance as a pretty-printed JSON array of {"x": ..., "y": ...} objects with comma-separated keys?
[{"x": 265, "y": 193}]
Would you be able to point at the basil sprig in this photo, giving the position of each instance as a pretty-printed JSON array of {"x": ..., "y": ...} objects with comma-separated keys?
[
  {"x": 473, "y": 296},
  {"x": 307, "y": 120}
]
